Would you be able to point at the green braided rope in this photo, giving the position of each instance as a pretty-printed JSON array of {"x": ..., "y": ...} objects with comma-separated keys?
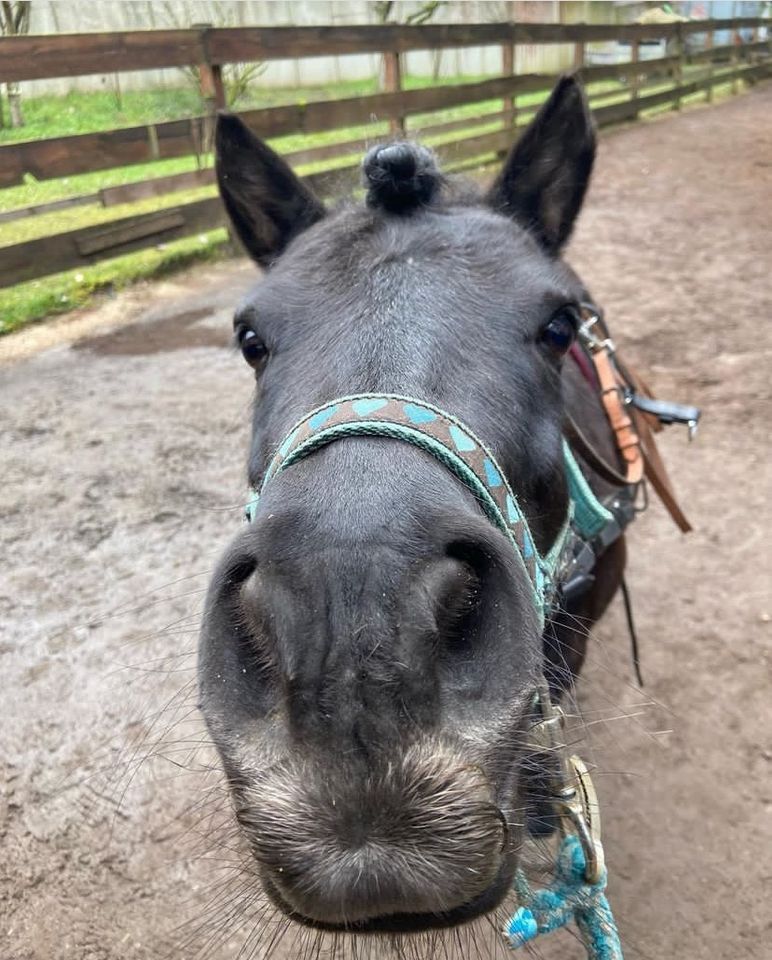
[
  {"x": 401, "y": 398},
  {"x": 585, "y": 511},
  {"x": 398, "y": 431},
  {"x": 590, "y": 514}
]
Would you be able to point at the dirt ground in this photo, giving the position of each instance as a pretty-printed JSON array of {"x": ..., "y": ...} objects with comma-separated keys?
[{"x": 123, "y": 439}]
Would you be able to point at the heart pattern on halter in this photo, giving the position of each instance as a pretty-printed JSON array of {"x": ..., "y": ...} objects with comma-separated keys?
[{"x": 440, "y": 435}]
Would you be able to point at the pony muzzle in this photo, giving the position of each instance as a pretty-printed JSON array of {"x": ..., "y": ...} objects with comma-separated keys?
[{"x": 342, "y": 847}]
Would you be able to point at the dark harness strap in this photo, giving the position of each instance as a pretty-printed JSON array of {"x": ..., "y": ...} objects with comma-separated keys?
[{"x": 581, "y": 445}]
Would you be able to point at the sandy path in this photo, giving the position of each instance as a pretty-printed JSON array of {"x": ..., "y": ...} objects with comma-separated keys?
[{"x": 122, "y": 475}]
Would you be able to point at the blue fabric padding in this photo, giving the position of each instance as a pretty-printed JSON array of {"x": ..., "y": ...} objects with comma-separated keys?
[
  {"x": 569, "y": 897},
  {"x": 590, "y": 516}
]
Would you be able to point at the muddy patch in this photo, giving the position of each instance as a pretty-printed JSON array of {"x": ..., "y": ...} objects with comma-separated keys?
[{"x": 180, "y": 331}]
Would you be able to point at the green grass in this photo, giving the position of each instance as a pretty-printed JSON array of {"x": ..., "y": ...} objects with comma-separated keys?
[
  {"x": 32, "y": 191},
  {"x": 87, "y": 112},
  {"x": 58, "y": 294}
]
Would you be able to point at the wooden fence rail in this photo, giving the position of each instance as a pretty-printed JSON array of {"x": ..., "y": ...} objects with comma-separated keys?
[
  {"x": 36, "y": 57},
  {"x": 65, "y": 156},
  {"x": 89, "y": 152},
  {"x": 78, "y": 248},
  {"x": 77, "y": 54}
]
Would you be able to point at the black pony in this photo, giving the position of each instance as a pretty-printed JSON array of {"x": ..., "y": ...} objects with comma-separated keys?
[{"x": 370, "y": 649}]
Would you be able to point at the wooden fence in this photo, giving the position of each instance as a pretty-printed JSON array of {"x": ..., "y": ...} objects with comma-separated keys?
[{"x": 36, "y": 57}]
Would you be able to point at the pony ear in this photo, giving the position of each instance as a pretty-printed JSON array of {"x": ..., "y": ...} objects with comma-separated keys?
[
  {"x": 266, "y": 202},
  {"x": 544, "y": 178}
]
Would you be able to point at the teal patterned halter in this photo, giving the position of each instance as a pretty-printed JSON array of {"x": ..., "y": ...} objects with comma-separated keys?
[{"x": 452, "y": 443}]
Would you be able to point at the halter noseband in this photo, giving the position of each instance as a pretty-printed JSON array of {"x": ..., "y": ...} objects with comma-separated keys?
[{"x": 451, "y": 442}]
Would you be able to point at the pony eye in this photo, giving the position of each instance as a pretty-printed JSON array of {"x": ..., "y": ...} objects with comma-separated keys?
[
  {"x": 560, "y": 332},
  {"x": 252, "y": 347}
]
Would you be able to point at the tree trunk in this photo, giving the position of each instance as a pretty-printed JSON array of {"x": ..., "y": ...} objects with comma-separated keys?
[
  {"x": 14, "y": 105},
  {"x": 14, "y": 21}
]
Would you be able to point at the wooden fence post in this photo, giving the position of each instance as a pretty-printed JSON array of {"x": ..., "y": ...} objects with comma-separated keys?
[
  {"x": 679, "y": 67},
  {"x": 508, "y": 70},
  {"x": 392, "y": 82},
  {"x": 709, "y": 46},
  {"x": 212, "y": 89},
  {"x": 579, "y": 55},
  {"x": 736, "y": 40},
  {"x": 635, "y": 79}
]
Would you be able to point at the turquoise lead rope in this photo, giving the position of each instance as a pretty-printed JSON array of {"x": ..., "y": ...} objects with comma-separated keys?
[{"x": 570, "y": 896}]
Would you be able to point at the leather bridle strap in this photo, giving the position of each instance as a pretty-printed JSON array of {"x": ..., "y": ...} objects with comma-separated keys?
[
  {"x": 633, "y": 430},
  {"x": 581, "y": 445},
  {"x": 612, "y": 388},
  {"x": 656, "y": 473},
  {"x": 653, "y": 466}
]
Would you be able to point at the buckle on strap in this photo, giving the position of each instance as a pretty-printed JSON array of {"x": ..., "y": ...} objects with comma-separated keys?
[
  {"x": 571, "y": 787},
  {"x": 587, "y": 335}
]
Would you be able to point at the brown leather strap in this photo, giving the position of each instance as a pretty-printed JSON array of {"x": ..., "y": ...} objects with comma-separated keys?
[
  {"x": 634, "y": 437},
  {"x": 581, "y": 445},
  {"x": 641, "y": 387},
  {"x": 628, "y": 442},
  {"x": 656, "y": 473}
]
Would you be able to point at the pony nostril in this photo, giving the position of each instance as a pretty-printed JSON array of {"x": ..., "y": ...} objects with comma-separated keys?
[
  {"x": 472, "y": 554},
  {"x": 453, "y": 587}
]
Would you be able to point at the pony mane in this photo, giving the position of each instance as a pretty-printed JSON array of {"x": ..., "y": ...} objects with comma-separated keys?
[{"x": 401, "y": 177}]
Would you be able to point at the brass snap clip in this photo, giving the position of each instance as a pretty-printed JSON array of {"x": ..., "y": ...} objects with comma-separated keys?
[
  {"x": 572, "y": 789},
  {"x": 582, "y": 811}
]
